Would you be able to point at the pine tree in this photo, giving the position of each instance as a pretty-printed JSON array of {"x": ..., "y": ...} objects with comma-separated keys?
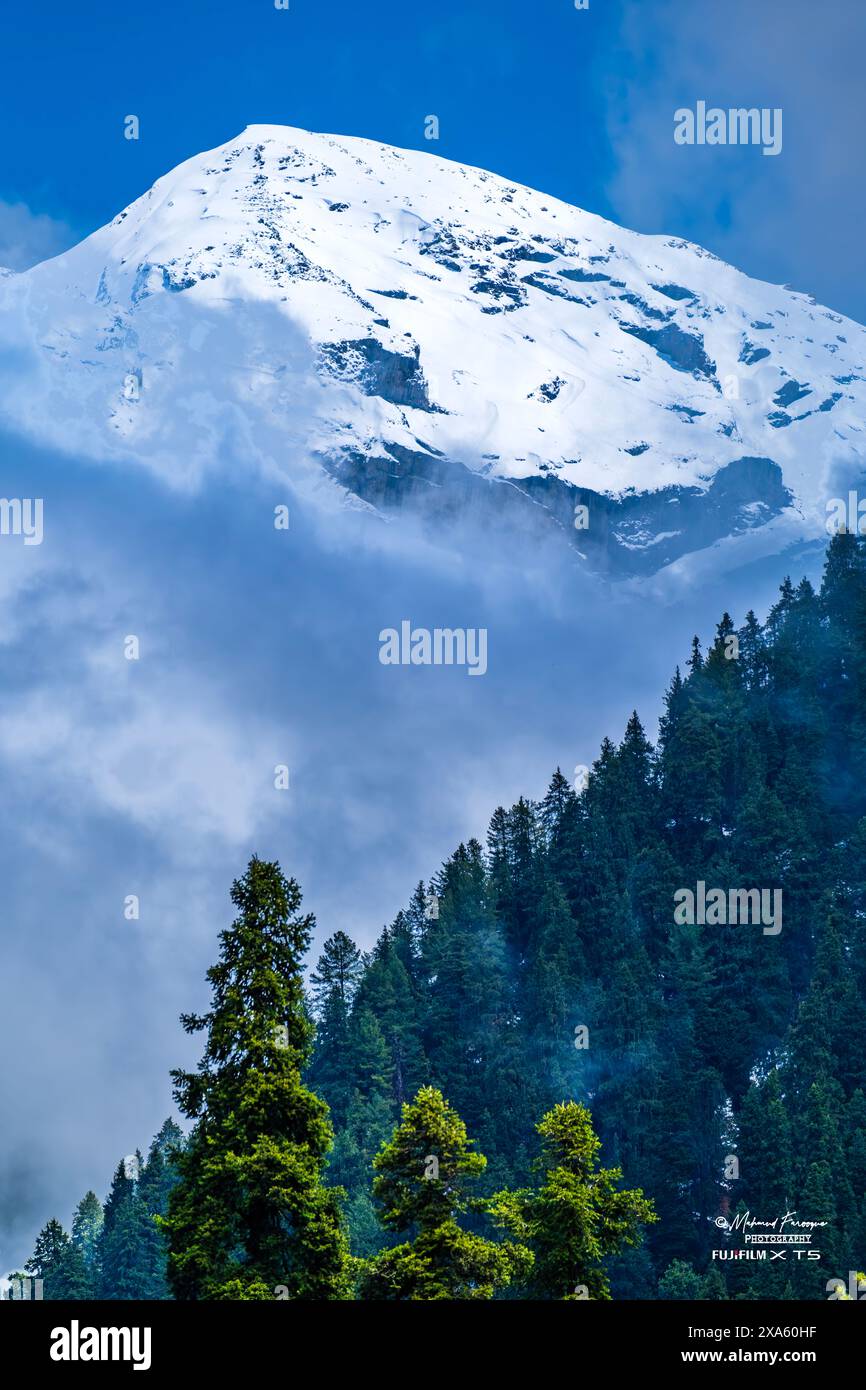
[
  {"x": 579, "y": 1216},
  {"x": 387, "y": 992},
  {"x": 52, "y": 1244},
  {"x": 337, "y": 971},
  {"x": 557, "y": 803},
  {"x": 250, "y": 1211},
  {"x": 133, "y": 1254},
  {"x": 469, "y": 1002},
  {"x": 159, "y": 1174},
  {"x": 77, "y": 1274},
  {"x": 421, "y": 1185},
  {"x": 843, "y": 579},
  {"x": 122, "y": 1187},
  {"x": 635, "y": 763},
  {"x": 753, "y": 653},
  {"x": 86, "y": 1227}
]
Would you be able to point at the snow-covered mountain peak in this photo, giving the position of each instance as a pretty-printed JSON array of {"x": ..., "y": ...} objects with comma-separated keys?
[{"x": 464, "y": 328}]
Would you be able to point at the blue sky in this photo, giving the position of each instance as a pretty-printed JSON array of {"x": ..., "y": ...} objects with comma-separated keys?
[{"x": 578, "y": 103}]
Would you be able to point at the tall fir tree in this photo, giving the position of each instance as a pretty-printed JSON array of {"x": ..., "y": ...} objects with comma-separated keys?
[{"x": 250, "y": 1211}]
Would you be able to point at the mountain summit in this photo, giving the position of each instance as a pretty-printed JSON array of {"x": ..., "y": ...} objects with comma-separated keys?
[{"x": 388, "y": 326}]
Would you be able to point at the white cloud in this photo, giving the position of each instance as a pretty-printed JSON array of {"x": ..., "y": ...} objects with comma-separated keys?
[{"x": 29, "y": 237}]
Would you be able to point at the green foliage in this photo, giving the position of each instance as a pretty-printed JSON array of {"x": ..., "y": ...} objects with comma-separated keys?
[
  {"x": 50, "y": 1259},
  {"x": 132, "y": 1253},
  {"x": 681, "y": 1282},
  {"x": 423, "y": 1186},
  {"x": 250, "y": 1211},
  {"x": 579, "y": 1216}
]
